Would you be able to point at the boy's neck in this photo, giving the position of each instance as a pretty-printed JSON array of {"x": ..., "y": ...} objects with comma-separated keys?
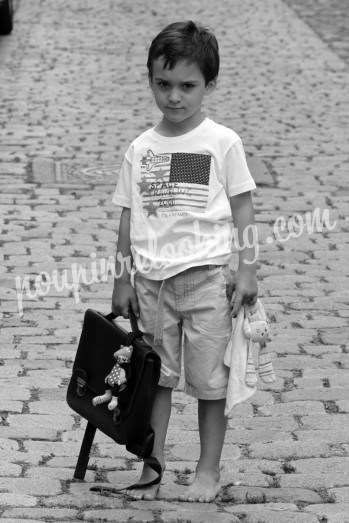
[{"x": 167, "y": 128}]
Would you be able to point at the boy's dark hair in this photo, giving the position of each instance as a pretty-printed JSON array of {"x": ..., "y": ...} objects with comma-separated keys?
[{"x": 186, "y": 40}]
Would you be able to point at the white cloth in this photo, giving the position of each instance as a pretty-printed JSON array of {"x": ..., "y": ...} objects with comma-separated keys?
[
  {"x": 178, "y": 189},
  {"x": 236, "y": 359}
]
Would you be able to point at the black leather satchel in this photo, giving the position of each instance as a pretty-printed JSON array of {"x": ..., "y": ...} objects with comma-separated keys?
[{"x": 130, "y": 424}]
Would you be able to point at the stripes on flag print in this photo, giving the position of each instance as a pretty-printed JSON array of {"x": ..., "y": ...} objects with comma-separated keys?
[{"x": 172, "y": 182}]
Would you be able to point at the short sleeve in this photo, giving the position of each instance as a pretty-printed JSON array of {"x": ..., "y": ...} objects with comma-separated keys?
[
  {"x": 235, "y": 175},
  {"x": 122, "y": 194}
]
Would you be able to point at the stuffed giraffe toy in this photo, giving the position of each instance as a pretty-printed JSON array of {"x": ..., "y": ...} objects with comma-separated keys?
[
  {"x": 116, "y": 379},
  {"x": 256, "y": 328}
]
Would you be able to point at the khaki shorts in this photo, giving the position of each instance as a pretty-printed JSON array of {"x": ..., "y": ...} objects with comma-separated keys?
[{"x": 195, "y": 314}]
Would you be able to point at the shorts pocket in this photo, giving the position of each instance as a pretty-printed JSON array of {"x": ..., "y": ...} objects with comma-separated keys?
[{"x": 147, "y": 301}]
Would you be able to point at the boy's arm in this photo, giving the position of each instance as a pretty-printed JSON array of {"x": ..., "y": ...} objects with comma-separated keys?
[
  {"x": 124, "y": 295},
  {"x": 245, "y": 279}
]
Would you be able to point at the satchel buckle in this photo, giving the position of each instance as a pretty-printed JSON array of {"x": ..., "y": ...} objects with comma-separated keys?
[{"x": 81, "y": 382}]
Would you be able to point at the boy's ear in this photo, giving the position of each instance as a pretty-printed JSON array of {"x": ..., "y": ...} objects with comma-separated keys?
[{"x": 212, "y": 84}]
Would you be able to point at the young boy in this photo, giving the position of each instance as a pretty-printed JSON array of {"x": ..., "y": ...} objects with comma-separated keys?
[{"x": 180, "y": 185}]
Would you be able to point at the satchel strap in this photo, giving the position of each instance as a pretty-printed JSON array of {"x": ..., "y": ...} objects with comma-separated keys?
[
  {"x": 131, "y": 336},
  {"x": 152, "y": 462}
]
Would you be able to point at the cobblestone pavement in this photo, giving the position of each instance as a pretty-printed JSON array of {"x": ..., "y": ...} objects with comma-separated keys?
[
  {"x": 329, "y": 19},
  {"x": 73, "y": 94}
]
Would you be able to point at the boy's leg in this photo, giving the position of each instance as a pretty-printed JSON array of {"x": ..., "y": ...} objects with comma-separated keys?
[
  {"x": 207, "y": 328},
  {"x": 169, "y": 352},
  {"x": 159, "y": 422},
  {"x": 212, "y": 427}
]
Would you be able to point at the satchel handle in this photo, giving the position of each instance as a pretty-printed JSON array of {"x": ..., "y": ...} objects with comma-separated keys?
[{"x": 133, "y": 320}]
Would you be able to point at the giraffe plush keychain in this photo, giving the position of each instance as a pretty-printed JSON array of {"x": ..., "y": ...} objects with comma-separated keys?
[{"x": 116, "y": 379}]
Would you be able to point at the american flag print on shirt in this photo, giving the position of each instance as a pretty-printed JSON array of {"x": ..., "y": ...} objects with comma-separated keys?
[{"x": 173, "y": 183}]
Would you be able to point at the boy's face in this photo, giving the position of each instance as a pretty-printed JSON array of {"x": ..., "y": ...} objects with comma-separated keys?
[{"x": 179, "y": 92}]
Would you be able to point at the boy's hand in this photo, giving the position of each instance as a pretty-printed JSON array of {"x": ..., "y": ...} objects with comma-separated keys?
[
  {"x": 242, "y": 289},
  {"x": 123, "y": 298}
]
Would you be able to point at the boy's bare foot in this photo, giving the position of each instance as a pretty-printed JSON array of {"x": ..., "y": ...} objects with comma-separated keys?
[
  {"x": 147, "y": 493},
  {"x": 204, "y": 488}
]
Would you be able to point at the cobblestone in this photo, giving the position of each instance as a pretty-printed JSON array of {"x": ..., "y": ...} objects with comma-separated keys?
[
  {"x": 338, "y": 512},
  {"x": 288, "y": 449},
  {"x": 76, "y": 94},
  {"x": 40, "y": 514},
  {"x": 121, "y": 515},
  {"x": 273, "y": 513},
  {"x": 270, "y": 495},
  {"x": 18, "y": 499},
  {"x": 340, "y": 494},
  {"x": 314, "y": 482},
  {"x": 39, "y": 487}
]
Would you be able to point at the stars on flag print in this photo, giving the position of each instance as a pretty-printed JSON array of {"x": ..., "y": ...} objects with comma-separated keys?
[{"x": 173, "y": 182}]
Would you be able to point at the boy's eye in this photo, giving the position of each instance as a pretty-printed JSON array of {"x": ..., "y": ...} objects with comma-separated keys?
[{"x": 162, "y": 84}]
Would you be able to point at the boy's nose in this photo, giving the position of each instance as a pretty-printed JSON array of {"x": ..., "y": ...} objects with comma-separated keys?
[{"x": 174, "y": 96}]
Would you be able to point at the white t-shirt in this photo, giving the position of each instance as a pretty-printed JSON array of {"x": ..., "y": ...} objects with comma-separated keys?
[{"x": 178, "y": 189}]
